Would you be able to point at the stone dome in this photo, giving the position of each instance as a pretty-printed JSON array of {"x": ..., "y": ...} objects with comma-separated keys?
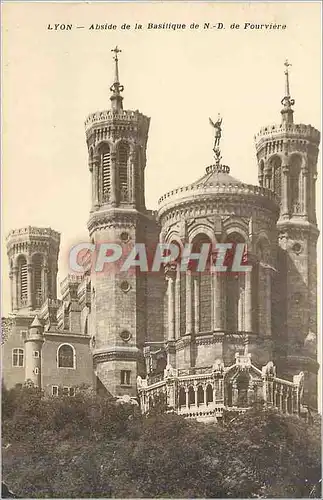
[
  {"x": 215, "y": 177},
  {"x": 216, "y": 185}
]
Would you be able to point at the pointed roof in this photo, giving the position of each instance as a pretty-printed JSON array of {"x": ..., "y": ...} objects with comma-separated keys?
[
  {"x": 116, "y": 88},
  {"x": 36, "y": 323}
]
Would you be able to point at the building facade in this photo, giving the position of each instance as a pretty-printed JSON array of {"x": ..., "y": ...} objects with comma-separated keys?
[{"x": 207, "y": 341}]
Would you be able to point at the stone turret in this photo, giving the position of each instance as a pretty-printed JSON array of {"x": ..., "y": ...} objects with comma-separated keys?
[
  {"x": 33, "y": 346},
  {"x": 33, "y": 256}
]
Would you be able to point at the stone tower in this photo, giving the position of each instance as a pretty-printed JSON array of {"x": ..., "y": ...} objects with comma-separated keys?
[
  {"x": 116, "y": 140},
  {"x": 33, "y": 256},
  {"x": 287, "y": 163},
  {"x": 33, "y": 345}
]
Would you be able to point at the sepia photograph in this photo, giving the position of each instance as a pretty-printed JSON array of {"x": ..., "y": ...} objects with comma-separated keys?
[{"x": 161, "y": 249}]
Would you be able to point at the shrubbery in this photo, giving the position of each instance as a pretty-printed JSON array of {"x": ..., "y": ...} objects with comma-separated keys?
[{"x": 89, "y": 447}]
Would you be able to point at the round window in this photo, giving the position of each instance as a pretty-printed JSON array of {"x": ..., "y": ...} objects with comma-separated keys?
[
  {"x": 124, "y": 237},
  {"x": 297, "y": 247},
  {"x": 125, "y": 286},
  {"x": 125, "y": 335}
]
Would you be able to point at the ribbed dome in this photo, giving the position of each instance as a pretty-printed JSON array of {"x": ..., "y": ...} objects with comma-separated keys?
[{"x": 212, "y": 178}]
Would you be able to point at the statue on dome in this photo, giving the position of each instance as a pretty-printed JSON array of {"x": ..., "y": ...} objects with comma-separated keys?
[{"x": 218, "y": 132}]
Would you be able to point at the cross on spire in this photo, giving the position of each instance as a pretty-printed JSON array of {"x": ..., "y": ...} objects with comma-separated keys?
[
  {"x": 116, "y": 88},
  {"x": 287, "y": 102},
  {"x": 287, "y": 64}
]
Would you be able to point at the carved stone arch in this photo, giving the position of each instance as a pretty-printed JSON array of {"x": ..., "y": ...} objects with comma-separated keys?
[
  {"x": 173, "y": 237},
  {"x": 236, "y": 229},
  {"x": 126, "y": 140},
  {"x": 102, "y": 145},
  {"x": 201, "y": 229},
  {"x": 20, "y": 256}
]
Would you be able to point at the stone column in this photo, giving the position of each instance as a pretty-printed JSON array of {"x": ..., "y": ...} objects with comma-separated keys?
[
  {"x": 196, "y": 304},
  {"x": 113, "y": 194},
  {"x": 132, "y": 178},
  {"x": 195, "y": 395},
  {"x": 171, "y": 304},
  {"x": 260, "y": 177},
  {"x": 285, "y": 191},
  {"x": 204, "y": 393},
  {"x": 44, "y": 282},
  {"x": 95, "y": 180},
  {"x": 178, "y": 304},
  {"x": 217, "y": 302},
  {"x": 188, "y": 302},
  {"x": 267, "y": 308},
  {"x": 241, "y": 304},
  {"x": 248, "y": 302},
  {"x": 14, "y": 281},
  {"x": 305, "y": 191},
  {"x": 186, "y": 398},
  {"x": 29, "y": 285}
]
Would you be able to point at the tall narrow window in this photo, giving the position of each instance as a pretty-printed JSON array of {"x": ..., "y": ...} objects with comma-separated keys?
[
  {"x": 37, "y": 272},
  {"x": 123, "y": 155},
  {"x": 23, "y": 282},
  {"x": 17, "y": 357},
  {"x": 295, "y": 171},
  {"x": 276, "y": 169},
  {"x": 106, "y": 173},
  {"x": 125, "y": 377}
]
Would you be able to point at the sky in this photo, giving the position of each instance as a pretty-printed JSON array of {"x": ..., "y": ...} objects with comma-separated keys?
[{"x": 52, "y": 79}]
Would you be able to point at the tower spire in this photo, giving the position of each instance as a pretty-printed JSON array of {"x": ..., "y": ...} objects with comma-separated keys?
[
  {"x": 116, "y": 88},
  {"x": 287, "y": 101}
]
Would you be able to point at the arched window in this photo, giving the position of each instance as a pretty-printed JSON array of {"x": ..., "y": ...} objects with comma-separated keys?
[
  {"x": 182, "y": 397},
  {"x": 242, "y": 386},
  {"x": 37, "y": 279},
  {"x": 123, "y": 155},
  {"x": 17, "y": 357},
  {"x": 234, "y": 288},
  {"x": 202, "y": 285},
  {"x": 276, "y": 175},
  {"x": 209, "y": 394},
  {"x": 66, "y": 356},
  {"x": 295, "y": 189},
  {"x": 191, "y": 396},
  {"x": 23, "y": 281},
  {"x": 106, "y": 172},
  {"x": 200, "y": 395}
]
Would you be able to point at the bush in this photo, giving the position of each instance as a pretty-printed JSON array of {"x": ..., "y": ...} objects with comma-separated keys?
[{"x": 90, "y": 447}]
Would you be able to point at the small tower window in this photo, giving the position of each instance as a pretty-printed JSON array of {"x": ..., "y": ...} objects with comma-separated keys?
[
  {"x": 123, "y": 155},
  {"x": 23, "y": 282},
  {"x": 295, "y": 171},
  {"x": 125, "y": 377},
  {"x": 17, "y": 357},
  {"x": 37, "y": 275},
  {"x": 66, "y": 356},
  {"x": 106, "y": 173},
  {"x": 36, "y": 354},
  {"x": 36, "y": 371}
]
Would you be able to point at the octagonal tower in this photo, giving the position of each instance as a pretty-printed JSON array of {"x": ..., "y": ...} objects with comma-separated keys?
[
  {"x": 33, "y": 257},
  {"x": 116, "y": 140},
  {"x": 287, "y": 164}
]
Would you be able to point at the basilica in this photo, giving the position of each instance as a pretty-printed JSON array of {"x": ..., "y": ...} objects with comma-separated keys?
[{"x": 207, "y": 342}]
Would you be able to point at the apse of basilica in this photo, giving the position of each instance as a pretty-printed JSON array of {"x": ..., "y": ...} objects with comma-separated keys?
[{"x": 207, "y": 341}]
